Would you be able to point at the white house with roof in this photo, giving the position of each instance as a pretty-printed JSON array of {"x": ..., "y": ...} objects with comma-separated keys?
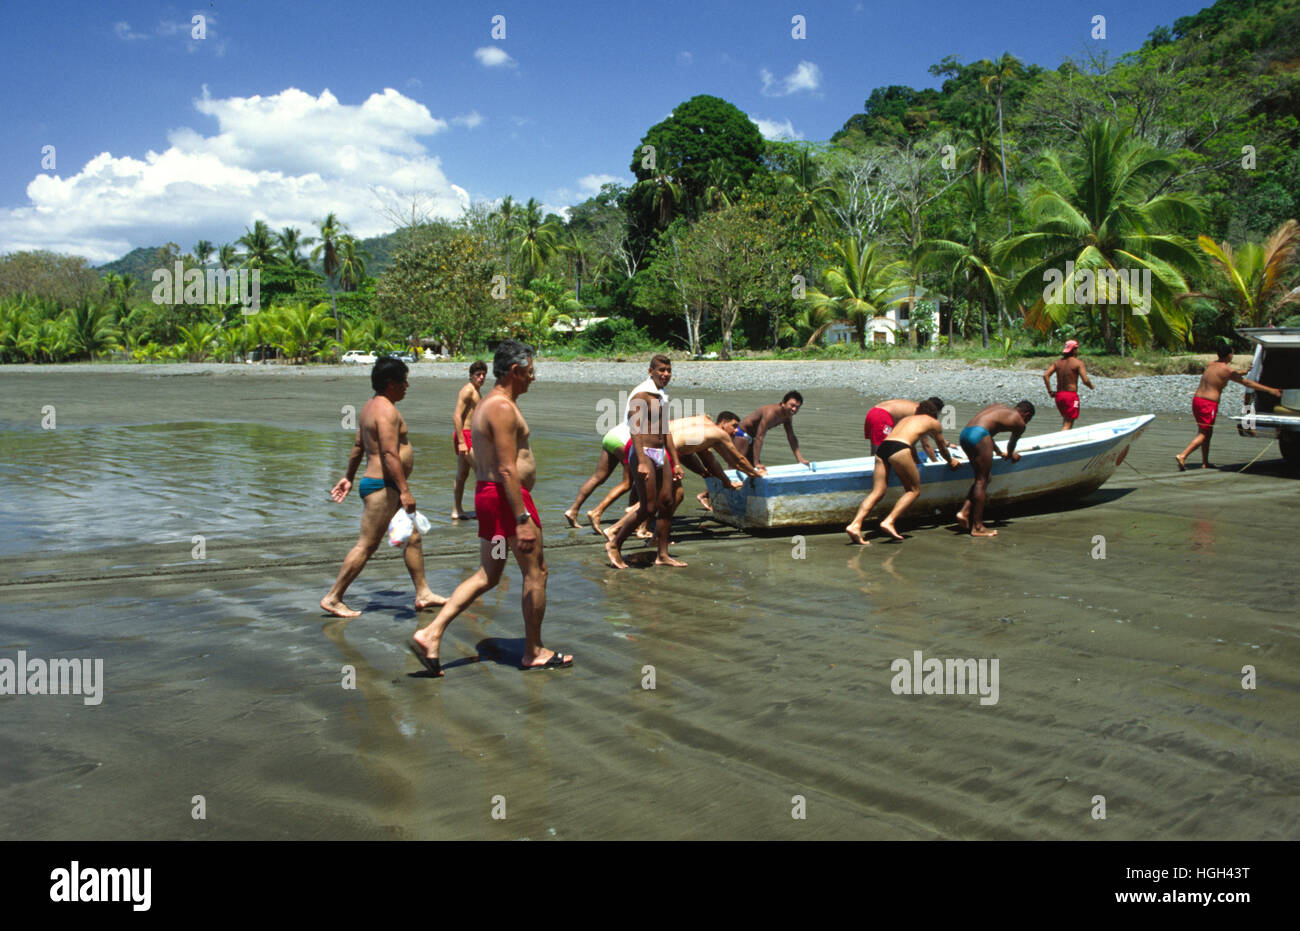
[{"x": 888, "y": 329}]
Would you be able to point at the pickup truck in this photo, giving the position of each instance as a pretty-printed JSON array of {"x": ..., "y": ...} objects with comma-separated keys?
[
  {"x": 1276, "y": 364},
  {"x": 358, "y": 357}
]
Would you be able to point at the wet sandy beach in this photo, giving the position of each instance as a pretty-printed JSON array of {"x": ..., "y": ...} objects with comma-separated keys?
[{"x": 1119, "y": 677}]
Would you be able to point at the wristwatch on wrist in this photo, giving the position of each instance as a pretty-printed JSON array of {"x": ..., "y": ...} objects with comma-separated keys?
[{"x": 522, "y": 518}]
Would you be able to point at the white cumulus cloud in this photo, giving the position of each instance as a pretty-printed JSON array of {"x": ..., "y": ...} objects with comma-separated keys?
[
  {"x": 287, "y": 158},
  {"x": 805, "y": 77},
  {"x": 591, "y": 184},
  {"x": 771, "y": 129},
  {"x": 493, "y": 56}
]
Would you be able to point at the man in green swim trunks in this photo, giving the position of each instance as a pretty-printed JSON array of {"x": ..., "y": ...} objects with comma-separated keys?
[
  {"x": 381, "y": 436},
  {"x": 611, "y": 457},
  {"x": 977, "y": 442}
]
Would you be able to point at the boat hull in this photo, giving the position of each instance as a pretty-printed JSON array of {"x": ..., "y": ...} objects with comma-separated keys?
[{"x": 1068, "y": 463}]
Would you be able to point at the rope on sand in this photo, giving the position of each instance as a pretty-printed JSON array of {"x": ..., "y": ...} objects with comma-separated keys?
[
  {"x": 1152, "y": 478},
  {"x": 1149, "y": 478},
  {"x": 1256, "y": 459}
]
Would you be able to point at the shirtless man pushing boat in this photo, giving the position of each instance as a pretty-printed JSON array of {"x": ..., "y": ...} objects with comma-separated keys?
[
  {"x": 381, "y": 437},
  {"x": 1205, "y": 404},
  {"x": 461, "y": 436},
  {"x": 1069, "y": 371},
  {"x": 977, "y": 442},
  {"x": 898, "y": 453},
  {"x": 753, "y": 429},
  {"x": 882, "y": 418},
  {"x": 696, "y": 437},
  {"x": 506, "y": 514}
]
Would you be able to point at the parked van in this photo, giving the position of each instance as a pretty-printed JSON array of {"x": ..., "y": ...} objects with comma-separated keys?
[{"x": 1276, "y": 364}]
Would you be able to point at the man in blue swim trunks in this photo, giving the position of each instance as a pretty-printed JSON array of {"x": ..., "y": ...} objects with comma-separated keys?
[
  {"x": 381, "y": 436},
  {"x": 977, "y": 442}
]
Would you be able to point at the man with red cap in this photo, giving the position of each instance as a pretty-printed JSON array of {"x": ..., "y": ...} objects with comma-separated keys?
[{"x": 1069, "y": 370}]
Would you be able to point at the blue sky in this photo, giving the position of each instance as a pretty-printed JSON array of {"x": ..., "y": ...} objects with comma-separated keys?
[{"x": 285, "y": 111}]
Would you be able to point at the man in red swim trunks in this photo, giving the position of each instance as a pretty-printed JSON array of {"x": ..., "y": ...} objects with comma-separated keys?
[
  {"x": 1205, "y": 404},
  {"x": 1069, "y": 370},
  {"x": 461, "y": 436},
  {"x": 506, "y": 514},
  {"x": 882, "y": 418}
]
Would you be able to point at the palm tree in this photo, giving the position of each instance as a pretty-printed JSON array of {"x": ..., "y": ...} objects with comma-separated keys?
[
  {"x": 548, "y": 305},
  {"x": 202, "y": 252},
  {"x": 90, "y": 329},
  {"x": 259, "y": 245},
  {"x": 15, "y": 321},
  {"x": 538, "y": 240},
  {"x": 48, "y": 340},
  {"x": 229, "y": 341},
  {"x": 351, "y": 262},
  {"x": 227, "y": 256},
  {"x": 720, "y": 184},
  {"x": 967, "y": 250},
  {"x": 808, "y": 324},
  {"x": 197, "y": 340},
  {"x": 1250, "y": 283},
  {"x": 858, "y": 287},
  {"x": 303, "y": 330},
  {"x": 976, "y": 134},
  {"x": 1005, "y": 68},
  {"x": 291, "y": 242},
  {"x": 506, "y": 212},
  {"x": 575, "y": 247},
  {"x": 326, "y": 252},
  {"x": 1096, "y": 214}
]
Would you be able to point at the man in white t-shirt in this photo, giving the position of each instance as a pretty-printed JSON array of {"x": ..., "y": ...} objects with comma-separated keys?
[{"x": 614, "y": 445}]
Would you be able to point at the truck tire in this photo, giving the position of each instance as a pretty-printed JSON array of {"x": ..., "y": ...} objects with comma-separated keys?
[{"x": 1290, "y": 445}]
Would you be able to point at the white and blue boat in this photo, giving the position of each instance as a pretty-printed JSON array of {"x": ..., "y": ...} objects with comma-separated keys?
[{"x": 1066, "y": 463}]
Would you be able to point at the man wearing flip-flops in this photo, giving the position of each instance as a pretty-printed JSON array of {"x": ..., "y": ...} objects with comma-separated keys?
[{"x": 506, "y": 514}]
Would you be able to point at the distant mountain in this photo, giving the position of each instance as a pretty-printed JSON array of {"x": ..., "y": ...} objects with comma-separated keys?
[{"x": 138, "y": 263}]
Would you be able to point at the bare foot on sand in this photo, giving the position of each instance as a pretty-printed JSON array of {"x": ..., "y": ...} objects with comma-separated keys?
[
  {"x": 703, "y": 498},
  {"x": 595, "y": 523},
  {"x": 888, "y": 527},
  {"x": 669, "y": 561},
  {"x": 337, "y": 608},
  {"x": 644, "y": 533},
  {"x": 855, "y": 534},
  {"x": 615, "y": 558},
  {"x": 571, "y": 518},
  {"x": 1182, "y": 463},
  {"x": 462, "y": 515},
  {"x": 427, "y": 599},
  {"x": 982, "y": 531},
  {"x": 963, "y": 520}
]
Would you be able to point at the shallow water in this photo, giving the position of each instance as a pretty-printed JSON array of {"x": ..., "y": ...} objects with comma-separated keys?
[{"x": 1119, "y": 677}]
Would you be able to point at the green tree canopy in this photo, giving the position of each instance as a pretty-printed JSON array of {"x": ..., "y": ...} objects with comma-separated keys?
[{"x": 441, "y": 288}]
